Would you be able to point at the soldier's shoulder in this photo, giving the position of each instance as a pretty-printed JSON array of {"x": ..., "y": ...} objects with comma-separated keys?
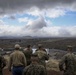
[
  {"x": 19, "y": 52},
  {"x": 12, "y": 53},
  {"x": 41, "y": 66},
  {"x": 69, "y": 54},
  {"x": 66, "y": 55}
]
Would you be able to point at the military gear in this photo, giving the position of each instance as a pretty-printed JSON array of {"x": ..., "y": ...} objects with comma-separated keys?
[
  {"x": 34, "y": 69},
  {"x": 70, "y": 64}
]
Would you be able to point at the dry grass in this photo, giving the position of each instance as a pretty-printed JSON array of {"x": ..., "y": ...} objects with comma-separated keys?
[
  {"x": 7, "y": 59},
  {"x": 52, "y": 64}
]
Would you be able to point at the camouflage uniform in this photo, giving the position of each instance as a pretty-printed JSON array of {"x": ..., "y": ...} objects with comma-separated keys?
[
  {"x": 27, "y": 52},
  {"x": 70, "y": 64},
  {"x": 34, "y": 69},
  {"x": 2, "y": 64},
  {"x": 42, "y": 57}
]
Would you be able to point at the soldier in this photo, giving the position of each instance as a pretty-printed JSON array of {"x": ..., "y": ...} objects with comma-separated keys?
[
  {"x": 42, "y": 54},
  {"x": 2, "y": 64},
  {"x": 28, "y": 52},
  {"x": 40, "y": 46},
  {"x": 69, "y": 60},
  {"x": 17, "y": 60},
  {"x": 34, "y": 68}
]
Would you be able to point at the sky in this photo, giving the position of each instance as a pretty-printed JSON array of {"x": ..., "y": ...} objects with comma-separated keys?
[{"x": 41, "y": 18}]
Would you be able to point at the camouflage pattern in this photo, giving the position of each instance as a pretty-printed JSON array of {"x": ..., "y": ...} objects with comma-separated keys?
[
  {"x": 42, "y": 57},
  {"x": 2, "y": 64},
  {"x": 27, "y": 52},
  {"x": 34, "y": 69},
  {"x": 70, "y": 64}
]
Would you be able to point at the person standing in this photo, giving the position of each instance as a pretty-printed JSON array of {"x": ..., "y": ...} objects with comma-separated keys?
[
  {"x": 42, "y": 54},
  {"x": 28, "y": 52},
  {"x": 17, "y": 61},
  {"x": 34, "y": 68},
  {"x": 2, "y": 64},
  {"x": 69, "y": 60}
]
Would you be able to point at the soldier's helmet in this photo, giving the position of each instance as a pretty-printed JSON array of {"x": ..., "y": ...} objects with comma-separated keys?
[
  {"x": 40, "y": 46},
  {"x": 17, "y": 46},
  {"x": 69, "y": 47},
  {"x": 34, "y": 57}
]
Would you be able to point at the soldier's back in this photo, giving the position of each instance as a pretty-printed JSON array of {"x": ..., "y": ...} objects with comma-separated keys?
[
  {"x": 70, "y": 62},
  {"x": 34, "y": 70},
  {"x": 42, "y": 57},
  {"x": 28, "y": 52}
]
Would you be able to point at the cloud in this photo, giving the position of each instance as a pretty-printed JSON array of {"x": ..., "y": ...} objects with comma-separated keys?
[
  {"x": 36, "y": 24},
  {"x": 39, "y": 28},
  {"x": 25, "y": 19},
  {"x": 41, "y": 9},
  {"x": 12, "y": 17},
  {"x": 34, "y": 11},
  {"x": 1, "y": 22},
  {"x": 64, "y": 32},
  {"x": 7, "y": 30},
  {"x": 53, "y": 13},
  {"x": 17, "y": 6}
]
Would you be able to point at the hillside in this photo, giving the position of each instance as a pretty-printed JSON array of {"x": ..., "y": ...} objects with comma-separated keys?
[{"x": 56, "y": 43}]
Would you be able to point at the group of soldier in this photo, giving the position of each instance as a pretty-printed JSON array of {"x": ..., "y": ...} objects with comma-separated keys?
[{"x": 28, "y": 63}]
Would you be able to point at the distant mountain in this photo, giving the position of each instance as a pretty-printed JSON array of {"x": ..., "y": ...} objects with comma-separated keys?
[
  {"x": 15, "y": 37},
  {"x": 7, "y": 37},
  {"x": 31, "y": 37}
]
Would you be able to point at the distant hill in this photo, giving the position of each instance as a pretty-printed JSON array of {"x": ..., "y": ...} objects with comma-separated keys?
[
  {"x": 54, "y": 43},
  {"x": 15, "y": 37}
]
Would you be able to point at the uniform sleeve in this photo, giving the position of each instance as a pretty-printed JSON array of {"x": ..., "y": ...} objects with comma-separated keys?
[
  {"x": 61, "y": 63},
  {"x": 24, "y": 60}
]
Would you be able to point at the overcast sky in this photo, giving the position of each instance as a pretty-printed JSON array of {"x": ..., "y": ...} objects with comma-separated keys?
[{"x": 43, "y": 18}]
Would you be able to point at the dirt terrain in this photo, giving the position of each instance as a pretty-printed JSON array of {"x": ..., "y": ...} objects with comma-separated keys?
[
  {"x": 52, "y": 44},
  {"x": 50, "y": 72}
]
